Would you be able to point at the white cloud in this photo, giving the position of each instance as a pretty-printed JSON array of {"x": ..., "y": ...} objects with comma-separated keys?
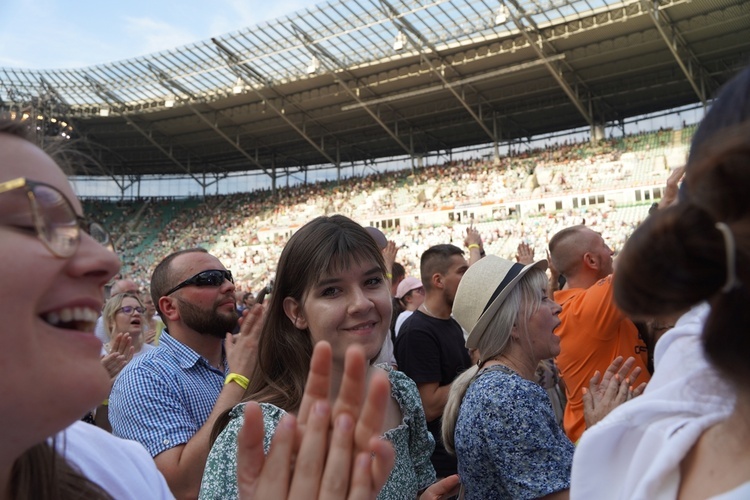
[
  {"x": 149, "y": 35},
  {"x": 87, "y": 32},
  {"x": 233, "y": 15}
]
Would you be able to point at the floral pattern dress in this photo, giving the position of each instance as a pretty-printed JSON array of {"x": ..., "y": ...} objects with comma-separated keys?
[
  {"x": 507, "y": 440},
  {"x": 411, "y": 440}
]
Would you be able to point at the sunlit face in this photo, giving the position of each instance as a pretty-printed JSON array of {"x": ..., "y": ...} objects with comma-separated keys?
[
  {"x": 602, "y": 254},
  {"x": 133, "y": 322},
  {"x": 452, "y": 277},
  {"x": 543, "y": 342},
  {"x": 346, "y": 307},
  {"x": 50, "y": 366},
  {"x": 414, "y": 298},
  {"x": 208, "y": 310}
]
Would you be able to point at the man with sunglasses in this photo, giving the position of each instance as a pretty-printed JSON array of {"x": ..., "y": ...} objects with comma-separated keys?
[{"x": 170, "y": 398}]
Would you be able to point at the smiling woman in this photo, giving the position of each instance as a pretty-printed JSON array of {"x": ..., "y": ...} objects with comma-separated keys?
[
  {"x": 330, "y": 286},
  {"x": 52, "y": 273}
]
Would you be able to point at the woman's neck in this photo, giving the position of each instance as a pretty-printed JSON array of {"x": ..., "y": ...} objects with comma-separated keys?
[
  {"x": 719, "y": 460},
  {"x": 137, "y": 340},
  {"x": 514, "y": 360}
]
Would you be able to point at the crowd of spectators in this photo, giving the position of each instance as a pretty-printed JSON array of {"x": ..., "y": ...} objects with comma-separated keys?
[{"x": 229, "y": 225}]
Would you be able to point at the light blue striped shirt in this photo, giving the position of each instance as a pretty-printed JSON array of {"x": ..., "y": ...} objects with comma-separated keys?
[{"x": 162, "y": 398}]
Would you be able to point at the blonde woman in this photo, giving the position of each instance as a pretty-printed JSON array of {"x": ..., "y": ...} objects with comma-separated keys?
[{"x": 125, "y": 312}]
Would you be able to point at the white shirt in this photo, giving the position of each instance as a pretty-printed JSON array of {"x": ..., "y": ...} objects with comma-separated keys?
[
  {"x": 634, "y": 452},
  {"x": 122, "y": 468},
  {"x": 400, "y": 320}
]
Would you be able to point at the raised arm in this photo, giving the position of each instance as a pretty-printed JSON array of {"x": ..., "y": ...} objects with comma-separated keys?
[{"x": 473, "y": 242}]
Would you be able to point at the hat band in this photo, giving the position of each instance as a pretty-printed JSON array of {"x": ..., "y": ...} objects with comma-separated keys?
[{"x": 515, "y": 269}]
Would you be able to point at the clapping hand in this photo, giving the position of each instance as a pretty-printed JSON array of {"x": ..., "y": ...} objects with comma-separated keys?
[
  {"x": 121, "y": 351},
  {"x": 610, "y": 391},
  {"x": 302, "y": 461}
]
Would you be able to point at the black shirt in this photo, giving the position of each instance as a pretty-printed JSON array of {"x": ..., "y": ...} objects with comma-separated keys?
[{"x": 432, "y": 350}]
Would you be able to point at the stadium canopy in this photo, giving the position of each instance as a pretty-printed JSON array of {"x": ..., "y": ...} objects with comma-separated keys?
[{"x": 358, "y": 80}]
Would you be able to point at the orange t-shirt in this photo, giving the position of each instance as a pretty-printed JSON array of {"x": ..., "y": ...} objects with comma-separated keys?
[{"x": 592, "y": 334}]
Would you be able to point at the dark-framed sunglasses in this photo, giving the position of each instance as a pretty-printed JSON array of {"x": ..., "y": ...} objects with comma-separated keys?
[
  {"x": 56, "y": 222},
  {"x": 211, "y": 277},
  {"x": 131, "y": 309}
]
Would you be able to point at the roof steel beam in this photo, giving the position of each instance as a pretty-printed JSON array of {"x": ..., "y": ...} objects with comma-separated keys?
[
  {"x": 325, "y": 58},
  {"x": 107, "y": 96},
  {"x": 676, "y": 43},
  {"x": 538, "y": 47},
  {"x": 170, "y": 84},
  {"x": 412, "y": 31},
  {"x": 243, "y": 70}
]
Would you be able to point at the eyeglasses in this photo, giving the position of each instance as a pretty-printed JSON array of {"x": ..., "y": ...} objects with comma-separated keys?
[
  {"x": 132, "y": 309},
  {"x": 212, "y": 277},
  {"x": 56, "y": 223}
]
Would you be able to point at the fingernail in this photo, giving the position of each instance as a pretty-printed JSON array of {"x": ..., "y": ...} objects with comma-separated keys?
[
  {"x": 287, "y": 422},
  {"x": 344, "y": 422},
  {"x": 363, "y": 461},
  {"x": 321, "y": 407}
]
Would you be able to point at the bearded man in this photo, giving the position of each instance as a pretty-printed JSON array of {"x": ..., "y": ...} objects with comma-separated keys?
[{"x": 169, "y": 398}]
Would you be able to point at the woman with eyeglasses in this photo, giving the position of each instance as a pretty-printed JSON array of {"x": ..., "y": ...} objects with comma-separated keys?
[
  {"x": 126, "y": 313},
  {"x": 53, "y": 269},
  {"x": 124, "y": 316}
]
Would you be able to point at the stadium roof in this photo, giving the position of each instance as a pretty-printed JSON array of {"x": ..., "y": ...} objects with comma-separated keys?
[{"x": 358, "y": 80}]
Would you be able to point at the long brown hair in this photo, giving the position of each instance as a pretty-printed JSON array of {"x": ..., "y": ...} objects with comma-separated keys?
[
  {"x": 40, "y": 472},
  {"x": 323, "y": 245}
]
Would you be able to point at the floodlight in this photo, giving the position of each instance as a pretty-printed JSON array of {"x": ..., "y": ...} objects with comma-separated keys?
[
  {"x": 238, "y": 87},
  {"x": 314, "y": 66},
  {"x": 169, "y": 103},
  {"x": 502, "y": 15},
  {"x": 400, "y": 41},
  {"x": 104, "y": 112}
]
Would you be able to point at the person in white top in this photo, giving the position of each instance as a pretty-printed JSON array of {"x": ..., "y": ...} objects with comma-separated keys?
[
  {"x": 688, "y": 436},
  {"x": 50, "y": 367},
  {"x": 410, "y": 293}
]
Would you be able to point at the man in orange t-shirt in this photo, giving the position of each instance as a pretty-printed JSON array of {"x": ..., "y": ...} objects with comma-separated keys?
[{"x": 593, "y": 331}]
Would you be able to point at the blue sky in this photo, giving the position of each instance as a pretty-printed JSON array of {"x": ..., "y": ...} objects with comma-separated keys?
[{"x": 49, "y": 34}]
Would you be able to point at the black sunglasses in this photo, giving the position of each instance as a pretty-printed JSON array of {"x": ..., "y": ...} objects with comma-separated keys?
[{"x": 212, "y": 277}]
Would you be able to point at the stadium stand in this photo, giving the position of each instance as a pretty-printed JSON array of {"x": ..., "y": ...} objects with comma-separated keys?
[{"x": 248, "y": 231}]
